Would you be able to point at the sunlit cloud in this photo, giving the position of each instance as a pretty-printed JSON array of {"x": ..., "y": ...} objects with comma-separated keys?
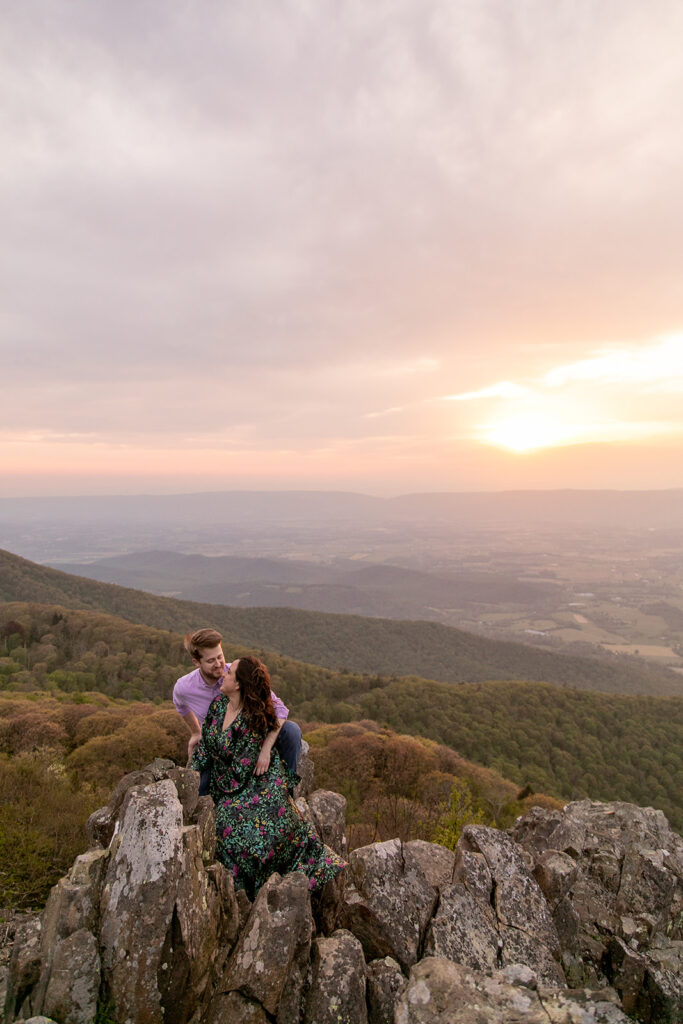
[
  {"x": 526, "y": 433},
  {"x": 604, "y": 398},
  {"x": 659, "y": 362},
  {"x": 383, "y": 412},
  {"x": 504, "y": 389}
]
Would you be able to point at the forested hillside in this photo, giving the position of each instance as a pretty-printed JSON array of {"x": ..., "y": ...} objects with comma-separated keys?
[
  {"x": 77, "y": 746},
  {"x": 568, "y": 743},
  {"x": 342, "y": 642}
]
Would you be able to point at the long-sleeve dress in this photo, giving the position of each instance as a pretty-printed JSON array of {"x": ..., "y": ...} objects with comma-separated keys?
[{"x": 258, "y": 828}]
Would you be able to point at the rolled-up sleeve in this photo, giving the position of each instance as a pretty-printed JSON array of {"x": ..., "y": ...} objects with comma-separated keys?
[{"x": 281, "y": 711}]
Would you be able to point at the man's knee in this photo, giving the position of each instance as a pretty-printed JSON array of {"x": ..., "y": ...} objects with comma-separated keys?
[{"x": 289, "y": 742}]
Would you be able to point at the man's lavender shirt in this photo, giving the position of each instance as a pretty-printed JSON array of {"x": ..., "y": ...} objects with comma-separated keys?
[{"x": 191, "y": 693}]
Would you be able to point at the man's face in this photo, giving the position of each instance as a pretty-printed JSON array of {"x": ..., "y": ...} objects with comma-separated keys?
[{"x": 211, "y": 663}]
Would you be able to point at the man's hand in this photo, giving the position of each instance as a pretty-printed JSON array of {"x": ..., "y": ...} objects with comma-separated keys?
[
  {"x": 191, "y": 744},
  {"x": 263, "y": 763}
]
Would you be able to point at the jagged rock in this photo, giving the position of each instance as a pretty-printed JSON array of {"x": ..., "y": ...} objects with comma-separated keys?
[
  {"x": 24, "y": 969},
  {"x": 337, "y": 991},
  {"x": 385, "y": 982},
  {"x": 599, "y": 884},
  {"x": 305, "y": 771},
  {"x": 186, "y": 783},
  {"x": 622, "y": 901},
  {"x": 464, "y": 929},
  {"x": 328, "y": 904},
  {"x": 74, "y": 983},
  {"x": 436, "y": 863},
  {"x": 234, "y": 1008},
  {"x": 648, "y": 990},
  {"x": 205, "y": 819},
  {"x": 495, "y": 913},
  {"x": 270, "y": 960},
  {"x": 72, "y": 907},
  {"x": 326, "y": 811},
  {"x": 582, "y": 1006},
  {"x": 138, "y": 898},
  {"x": 389, "y": 900},
  {"x": 162, "y": 912},
  {"x": 555, "y": 873},
  {"x": 439, "y": 990},
  {"x": 520, "y": 975},
  {"x": 159, "y": 768},
  {"x": 102, "y": 822},
  {"x": 204, "y": 922}
]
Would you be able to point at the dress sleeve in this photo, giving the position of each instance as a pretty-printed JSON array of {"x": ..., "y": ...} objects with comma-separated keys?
[{"x": 201, "y": 756}]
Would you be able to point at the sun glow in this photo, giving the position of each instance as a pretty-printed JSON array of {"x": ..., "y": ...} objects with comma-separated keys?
[{"x": 529, "y": 432}]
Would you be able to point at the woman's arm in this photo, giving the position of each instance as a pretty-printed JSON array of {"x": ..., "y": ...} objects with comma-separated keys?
[{"x": 263, "y": 762}]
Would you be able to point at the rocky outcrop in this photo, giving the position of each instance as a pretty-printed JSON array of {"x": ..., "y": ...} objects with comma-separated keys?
[
  {"x": 494, "y": 913},
  {"x": 571, "y": 917},
  {"x": 440, "y": 991},
  {"x": 612, "y": 875}
]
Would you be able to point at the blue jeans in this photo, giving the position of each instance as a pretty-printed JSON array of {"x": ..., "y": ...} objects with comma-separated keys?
[{"x": 288, "y": 743}]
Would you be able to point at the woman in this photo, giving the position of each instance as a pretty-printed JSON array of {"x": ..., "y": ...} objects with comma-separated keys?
[{"x": 258, "y": 827}]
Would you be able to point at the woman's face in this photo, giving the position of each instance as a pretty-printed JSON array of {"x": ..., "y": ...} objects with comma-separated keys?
[{"x": 229, "y": 684}]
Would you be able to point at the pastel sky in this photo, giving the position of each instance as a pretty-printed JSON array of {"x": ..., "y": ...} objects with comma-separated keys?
[{"x": 392, "y": 246}]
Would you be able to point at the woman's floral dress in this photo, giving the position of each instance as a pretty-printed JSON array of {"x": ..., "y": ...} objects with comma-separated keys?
[{"x": 258, "y": 828}]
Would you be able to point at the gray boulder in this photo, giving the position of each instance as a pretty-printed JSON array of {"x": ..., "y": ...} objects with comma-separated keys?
[
  {"x": 326, "y": 812},
  {"x": 101, "y": 824},
  {"x": 305, "y": 771},
  {"x": 138, "y": 898},
  {"x": 24, "y": 970},
  {"x": 391, "y": 897},
  {"x": 385, "y": 983},
  {"x": 234, "y": 1008},
  {"x": 440, "y": 991},
  {"x": 613, "y": 878},
  {"x": 337, "y": 991},
  {"x": 74, "y": 983},
  {"x": 163, "y": 915},
  {"x": 494, "y": 914},
  {"x": 270, "y": 961}
]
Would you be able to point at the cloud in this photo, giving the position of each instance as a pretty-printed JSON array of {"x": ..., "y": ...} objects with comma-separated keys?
[
  {"x": 289, "y": 222},
  {"x": 658, "y": 362},
  {"x": 606, "y": 397},
  {"x": 503, "y": 389}
]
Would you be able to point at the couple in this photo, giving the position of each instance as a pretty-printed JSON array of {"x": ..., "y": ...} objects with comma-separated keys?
[{"x": 237, "y": 725}]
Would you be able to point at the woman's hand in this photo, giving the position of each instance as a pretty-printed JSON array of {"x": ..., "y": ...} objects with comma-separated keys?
[{"x": 263, "y": 762}]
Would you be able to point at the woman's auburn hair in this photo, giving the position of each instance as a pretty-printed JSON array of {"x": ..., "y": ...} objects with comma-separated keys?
[{"x": 254, "y": 682}]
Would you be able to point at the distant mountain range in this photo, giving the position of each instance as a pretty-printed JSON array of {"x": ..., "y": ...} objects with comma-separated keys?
[
  {"x": 376, "y": 590},
  {"x": 343, "y": 642},
  {"x": 630, "y": 509}
]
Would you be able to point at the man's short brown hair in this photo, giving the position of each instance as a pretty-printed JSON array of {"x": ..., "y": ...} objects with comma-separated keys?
[{"x": 201, "y": 640}]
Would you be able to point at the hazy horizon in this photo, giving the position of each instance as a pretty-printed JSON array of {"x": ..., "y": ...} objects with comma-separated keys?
[{"x": 367, "y": 492}]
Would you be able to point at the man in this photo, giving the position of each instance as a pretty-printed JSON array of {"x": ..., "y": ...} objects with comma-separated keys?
[{"x": 193, "y": 693}]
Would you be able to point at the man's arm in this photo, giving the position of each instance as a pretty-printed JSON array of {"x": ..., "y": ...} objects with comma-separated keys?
[
  {"x": 281, "y": 711},
  {"x": 263, "y": 762},
  {"x": 195, "y": 728}
]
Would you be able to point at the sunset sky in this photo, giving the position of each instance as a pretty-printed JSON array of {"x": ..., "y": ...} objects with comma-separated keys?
[{"x": 389, "y": 247}]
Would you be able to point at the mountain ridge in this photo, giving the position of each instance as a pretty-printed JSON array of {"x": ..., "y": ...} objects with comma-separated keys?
[{"x": 353, "y": 643}]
